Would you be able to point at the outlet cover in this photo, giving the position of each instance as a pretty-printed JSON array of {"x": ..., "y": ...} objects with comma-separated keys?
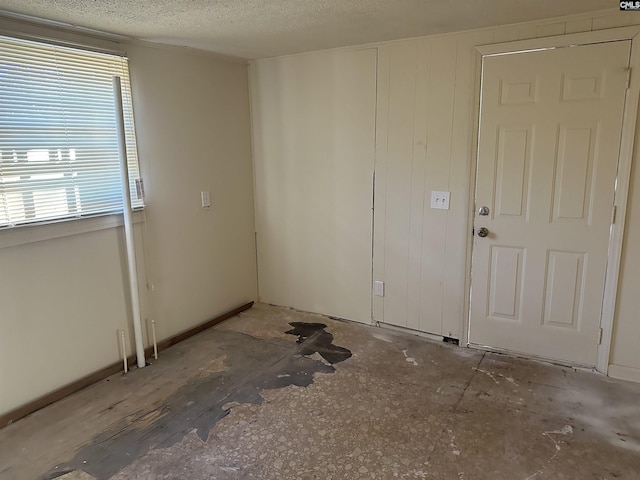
[
  {"x": 440, "y": 200},
  {"x": 206, "y": 198},
  {"x": 378, "y": 289}
]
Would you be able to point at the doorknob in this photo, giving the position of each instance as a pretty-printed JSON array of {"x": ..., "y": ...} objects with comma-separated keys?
[{"x": 483, "y": 232}]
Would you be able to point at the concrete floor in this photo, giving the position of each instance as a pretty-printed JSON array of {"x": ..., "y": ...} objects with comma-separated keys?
[{"x": 245, "y": 400}]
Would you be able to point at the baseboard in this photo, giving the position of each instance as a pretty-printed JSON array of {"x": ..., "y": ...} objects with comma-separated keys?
[
  {"x": 84, "y": 382},
  {"x": 624, "y": 373},
  {"x": 429, "y": 336}
]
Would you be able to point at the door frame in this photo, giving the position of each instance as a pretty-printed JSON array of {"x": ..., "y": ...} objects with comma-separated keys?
[{"x": 627, "y": 151}]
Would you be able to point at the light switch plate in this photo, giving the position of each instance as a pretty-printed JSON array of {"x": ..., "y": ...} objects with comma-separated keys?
[
  {"x": 440, "y": 200},
  {"x": 206, "y": 199},
  {"x": 378, "y": 289}
]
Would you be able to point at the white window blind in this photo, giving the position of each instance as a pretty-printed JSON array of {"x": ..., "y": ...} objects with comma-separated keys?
[{"x": 58, "y": 137}]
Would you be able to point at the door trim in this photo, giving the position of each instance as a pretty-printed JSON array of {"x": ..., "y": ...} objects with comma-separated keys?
[{"x": 626, "y": 153}]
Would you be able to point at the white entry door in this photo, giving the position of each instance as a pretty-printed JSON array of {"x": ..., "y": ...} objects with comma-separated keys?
[{"x": 550, "y": 126}]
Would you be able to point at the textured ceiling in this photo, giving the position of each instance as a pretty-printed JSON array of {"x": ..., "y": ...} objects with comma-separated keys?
[{"x": 264, "y": 28}]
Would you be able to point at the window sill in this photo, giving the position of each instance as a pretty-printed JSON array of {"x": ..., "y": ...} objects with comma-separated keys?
[{"x": 23, "y": 235}]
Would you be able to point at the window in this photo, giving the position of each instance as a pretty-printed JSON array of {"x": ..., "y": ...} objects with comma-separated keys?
[{"x": 58, "y": 137}]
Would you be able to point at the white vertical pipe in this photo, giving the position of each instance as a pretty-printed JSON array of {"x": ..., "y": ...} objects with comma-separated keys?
[
  {"x": 155, "y": 343},
  {"x": 123, "y": 343},
  {"x": 128, "y": 224}
]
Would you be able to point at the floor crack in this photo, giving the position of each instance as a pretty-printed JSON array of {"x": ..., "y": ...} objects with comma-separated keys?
[{"x": 466, "y": 387}]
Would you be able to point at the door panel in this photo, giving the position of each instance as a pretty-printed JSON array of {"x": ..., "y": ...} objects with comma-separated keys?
[
  {"x": 549, "y": 136},
  {"x": 574, "y": 171},
  {"x": 512, "y": 177},
  {"x": 506, "y": 282},
  {"x": 564, "y": 288}
]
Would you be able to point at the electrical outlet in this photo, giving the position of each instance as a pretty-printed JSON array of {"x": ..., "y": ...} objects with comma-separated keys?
[
  {"x": 378, "y": 289},
  {"x": 206, "y": 199},
  {"x": 440, "y": 200}
]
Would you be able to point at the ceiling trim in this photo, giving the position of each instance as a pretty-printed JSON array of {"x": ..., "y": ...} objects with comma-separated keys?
[
  {"x": 38, "y": 21},
  {"x": 544, "y": 21},
  {"x": 39, "y": 29}
]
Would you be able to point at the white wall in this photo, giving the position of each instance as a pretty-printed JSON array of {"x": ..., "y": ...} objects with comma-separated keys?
[
  {"x": 314, "y": 128},
  {"x": 424, "y": 114},
  {"x": 625, "y": 351},
  {"x": 193, "y": 131},
  {"x": 423, "y": 144},
  {"x": 63, "y": 299}
]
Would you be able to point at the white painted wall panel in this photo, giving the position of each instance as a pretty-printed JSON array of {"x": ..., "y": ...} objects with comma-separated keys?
[
  {"x": 63, "y": 301},
  {"x": 314, "y": 134},
  {"x": 625, "y": 351},
  {"x": 400, "y": 185},
  {"x": 419, "y": 128},
  {"x": 194, "y": 134}
]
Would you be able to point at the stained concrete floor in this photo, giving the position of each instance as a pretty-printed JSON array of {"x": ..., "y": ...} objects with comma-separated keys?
[{"x": 246, "y": 400}]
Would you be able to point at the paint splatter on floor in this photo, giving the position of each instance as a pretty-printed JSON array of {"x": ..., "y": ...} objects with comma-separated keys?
[{"x": 409, "y": 359}]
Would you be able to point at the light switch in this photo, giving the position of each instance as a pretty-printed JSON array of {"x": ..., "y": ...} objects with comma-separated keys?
[
  {"x": 206, "y": 199},
  {"x": 378, "y": 289},
  {"x": 440, "y": 200}
]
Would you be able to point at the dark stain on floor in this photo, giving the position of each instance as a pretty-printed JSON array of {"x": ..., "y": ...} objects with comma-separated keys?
[
  {"x": 253, "y": 365},
  {"x": 315, "y": 338}
]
